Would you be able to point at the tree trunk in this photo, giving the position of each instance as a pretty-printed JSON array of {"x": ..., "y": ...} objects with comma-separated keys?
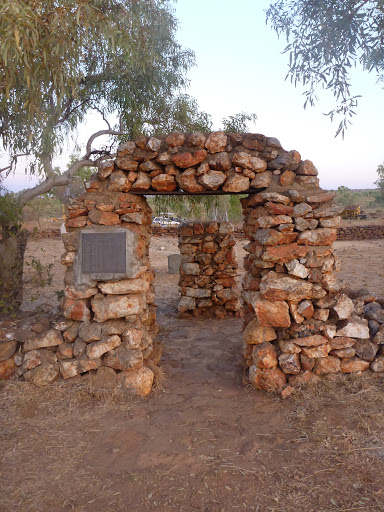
[{"x": 12, "y": 249}]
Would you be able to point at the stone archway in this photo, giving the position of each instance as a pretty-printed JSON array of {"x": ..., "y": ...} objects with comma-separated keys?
[{"x": 297, "y": 325}]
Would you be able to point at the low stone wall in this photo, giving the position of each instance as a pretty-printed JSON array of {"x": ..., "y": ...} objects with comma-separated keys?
[
  {"x": 297, "y": 323},
  {"x": 110, "y": 320},
  {"x": 360, "y": 233},
  {"x": 208, "y": 269}
]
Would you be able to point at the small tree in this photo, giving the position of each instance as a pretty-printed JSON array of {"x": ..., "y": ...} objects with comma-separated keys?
[{"x": 380, "y": 180}]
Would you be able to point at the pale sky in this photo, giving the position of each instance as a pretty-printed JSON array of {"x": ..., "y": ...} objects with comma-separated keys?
[{"x": 240, "y": 67}]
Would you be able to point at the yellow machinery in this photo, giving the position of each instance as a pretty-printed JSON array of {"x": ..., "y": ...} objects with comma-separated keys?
[{"x": 351, "y": 212}]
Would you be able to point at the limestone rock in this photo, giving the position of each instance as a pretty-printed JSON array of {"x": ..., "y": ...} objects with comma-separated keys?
[
  {"x": 175, "y": 139},
  {"x": 255, "y": 333},
  {"x": 137, "y": 381},
  {"x": 123, "y": 358},
  {"x": 320, "y": 236},
  {"x": 306, "y": 168},
  {"x": 96, "y": 349},
  {"x": 341, "y": 343},
  {"x": 275, "y": 286},
  {"x": 76, "y": 310},
  {"x": 198, "y": 293},
  {"x": 124, "y": 286},
  {"x": 310, "y": 341},
  {"x": 297, "y": 269},
  {"x": 212, "y": 180},
  {"x": 236, "y": 183},
  {"x": 143, "y": 182},
  {"x": 353, "y": 327},
  {"x": 71, "y": 367},
  {"x": 284, "y": 253},
  {"x": 262, "y": 180},
  {"x": 43, "y": 374},
  {"x": 190, "y": 268},
  {"x": 116, "y": 306},
  {"x": 249, "y": 162},
  {"x": 344, "y": 307},
  {"x": 315, "y": 352},
  {"x": 216, "y": 142},
  {"x": 49, "y": 338},
  {"x": 79, "y": 347}
]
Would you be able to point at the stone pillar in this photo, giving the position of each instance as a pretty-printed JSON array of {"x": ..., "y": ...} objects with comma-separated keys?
[
  {"x": 208, "y": 270},
  {"x": 111, "y": 318},
  {"x": 297, "y": 323}
]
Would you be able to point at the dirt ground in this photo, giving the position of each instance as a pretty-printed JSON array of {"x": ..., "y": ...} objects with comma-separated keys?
[{"x": 201, "y": 441}]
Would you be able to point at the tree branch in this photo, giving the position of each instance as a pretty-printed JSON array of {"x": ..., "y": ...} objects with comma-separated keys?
[
  {"x": 94, "y": 136},
  {"x": 65, "y": 178}
]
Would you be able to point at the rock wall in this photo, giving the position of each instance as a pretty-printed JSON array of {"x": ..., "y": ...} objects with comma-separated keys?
[
  {"x": 200, "y": 163},
  {"x": 109, "y": 323},
  {"x": 208, "y": 269},
  {"x": 297, "y": 324},
  {"x": 360, "y": 233}
]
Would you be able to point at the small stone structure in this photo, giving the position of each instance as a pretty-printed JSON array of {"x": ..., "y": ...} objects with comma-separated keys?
[
  {"x": 297, "y": 324},
  {"x": 208, "y": 269}
]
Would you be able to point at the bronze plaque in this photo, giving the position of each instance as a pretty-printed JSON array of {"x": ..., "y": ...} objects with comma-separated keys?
[{"x": 104, "y": 253}]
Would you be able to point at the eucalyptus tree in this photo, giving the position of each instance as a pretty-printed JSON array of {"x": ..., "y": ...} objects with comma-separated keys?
[
  {"x": 58, "y": 62},
  {"x": 61, "y": 60},
  {"x": 326, "y": 39}
]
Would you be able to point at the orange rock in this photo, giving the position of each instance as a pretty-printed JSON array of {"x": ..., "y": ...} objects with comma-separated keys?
[
  {"x": 236, "y": 183},
  {"x": 76, "y": 310},
  {"x": 303, "y": 378},
  {"x": 138, "y": 382},
  {"x": 264, "y": 355},
  {"x": 175, "y": 139},
  {"x": 164, "y": 183},
  {"x": 306, "y": 168},
  {"x": 7, "y": 368},
  {"x": 77, "y": 222},
  {"x": 187, "y": 181},
  {"x": 284, "y": 253},
  {"x": 103, "y": 218},
  {"x": 188, "y": 159},
  {"x": 216, "y": 142},
  {"x": 352, "y": 365},
  {"x": 287, "y": 178},
  {"x": 329, "y": 364},
  {"x": 290, "y": 363},
  {"x": 77, "y": 212},
  {"x": 278, "y": 208},
  {"x": 271, "y": 313},
  {"x": 269, "y": 379}
]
